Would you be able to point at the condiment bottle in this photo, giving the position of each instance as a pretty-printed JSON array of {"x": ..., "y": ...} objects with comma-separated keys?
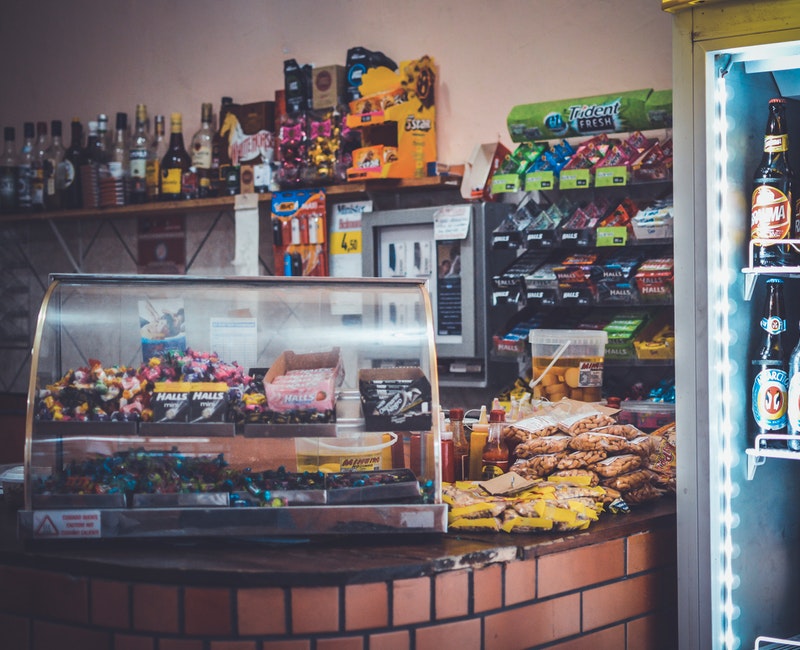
[
  {"x": 494, "y": 460},
  {"x": 448, "y": 467},
  {"x": 460, "y": 444},
  {"x": 477, "y": 439}
]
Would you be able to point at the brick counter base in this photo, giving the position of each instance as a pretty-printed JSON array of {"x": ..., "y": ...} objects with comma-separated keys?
[{"x": 618, "y": 594}]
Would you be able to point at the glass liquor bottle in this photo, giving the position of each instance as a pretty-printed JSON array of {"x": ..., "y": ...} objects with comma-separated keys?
[
  {"x": 24, "y": 168},
  {"x": 176, "y": 163},
  {"x": 74, "y": 159},
  {"x": 54, "y": 168},
  {"x": 8, "y": 171},
  {"x": 202, "y": 143},
  {"x": 139, "y": 148},
  {"x": 156, "y": 151}
]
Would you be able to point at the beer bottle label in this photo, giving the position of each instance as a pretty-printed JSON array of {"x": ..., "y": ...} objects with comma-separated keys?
[
  {"x": 171, "y": 181},
  {"x": 769, "y": 399},
  {"x": 773, "y": 324},
  {"x": 770, "y": 214},
  {"x": 776, "y": 143},
  {"x": 793, "y": 404},
  {"x": 793, "y": 411}
]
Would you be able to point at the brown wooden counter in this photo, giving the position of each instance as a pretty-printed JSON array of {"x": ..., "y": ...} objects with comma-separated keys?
[{"x": 612, "y": 586}]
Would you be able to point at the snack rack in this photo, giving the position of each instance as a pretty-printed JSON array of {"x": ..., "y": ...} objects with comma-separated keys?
[{"x": 104, "y": 459}]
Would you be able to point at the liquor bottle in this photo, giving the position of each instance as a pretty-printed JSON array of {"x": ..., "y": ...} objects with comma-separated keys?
[
  {"x": 140, "y": 146},
  {"x": 228, "y": 172},
  {"x": 220, "y": 158},
  {"x": 24, "y": 168},
  {"x": 8, "y": 171},
  {"x": 38, "y": 171},
  {"x": 74, "y": 159},
  {"x": 202, "y": 142},
  {"x": 772, "y": 203},
  {"x": 90, "y": 191},
  {"x": 155, "y": 153},
  {"x": 54, "y": 168},
  {"x": 119, "y": 161},
  {"x": 769, "y": 377},
  {"x": 494, "y": 460},
  {"x": 103, "y": 134},
  {"x": 460, "y": 444},
  {"x": 793, "y": 399},
  {"x": 176, "y": 164}
]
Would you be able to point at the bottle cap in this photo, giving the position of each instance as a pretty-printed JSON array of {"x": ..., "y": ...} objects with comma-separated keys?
[
  {"x": 446, "y": 435},
  {"x": 456, "y": 414},
  {"x": 8, "y": 133},
  {"x": 497, "y": 415}
]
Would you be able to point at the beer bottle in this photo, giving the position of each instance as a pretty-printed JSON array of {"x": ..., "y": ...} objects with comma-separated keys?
[
  {"x": 772, "y": 204},
  {"x": 793, "y": 400},
  {"x": 495, "y": 453},
  {"x": 769, "y": 377}
]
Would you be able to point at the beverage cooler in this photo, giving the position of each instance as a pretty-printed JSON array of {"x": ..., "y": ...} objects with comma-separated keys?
[{"x": 738, "y": 506}]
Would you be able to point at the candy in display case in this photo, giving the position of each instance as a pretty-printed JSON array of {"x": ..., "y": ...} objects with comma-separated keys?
[{"x": 249, "y": 422}]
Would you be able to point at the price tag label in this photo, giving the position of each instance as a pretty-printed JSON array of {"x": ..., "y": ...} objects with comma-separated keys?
[
  {"x": 612, "y": 236},
  {"x": 344, "y": 243},
  {"x": 539, "y": 181},
  {"x": 571, "y": 179},
  {"x": 611, "y": 176}
]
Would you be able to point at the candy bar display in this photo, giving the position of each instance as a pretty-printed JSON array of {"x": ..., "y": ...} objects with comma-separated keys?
[
  {"x": 210, "y": 443},
  {"x": 149, "y": 478},
  {"x": 396, "y": 114}
]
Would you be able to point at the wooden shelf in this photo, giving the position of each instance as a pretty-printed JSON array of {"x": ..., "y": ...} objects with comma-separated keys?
[{"x": 227, "y": 202}]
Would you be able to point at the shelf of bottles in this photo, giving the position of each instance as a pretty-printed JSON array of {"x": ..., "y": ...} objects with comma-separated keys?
[
  {"x": 228, "y": 202},
  {"x": 752, "y": 270},
  {"x": 765, "y": 445}
]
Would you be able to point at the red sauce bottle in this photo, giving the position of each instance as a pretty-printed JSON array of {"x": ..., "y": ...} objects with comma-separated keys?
[{"x": 494, "y": 461}]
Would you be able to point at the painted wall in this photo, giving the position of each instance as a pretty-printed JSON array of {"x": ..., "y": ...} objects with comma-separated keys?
[{"x": 81, "y": 57}]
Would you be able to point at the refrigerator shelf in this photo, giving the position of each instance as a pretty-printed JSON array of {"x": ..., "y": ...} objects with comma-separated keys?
[
  {"x": 751, "y": 272},
  {"x": 776, "y": 643},
  {"x": 757, "y": 456}
]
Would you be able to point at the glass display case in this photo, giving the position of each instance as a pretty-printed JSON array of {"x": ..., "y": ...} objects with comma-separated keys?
[{"x": 194, "y": 406}]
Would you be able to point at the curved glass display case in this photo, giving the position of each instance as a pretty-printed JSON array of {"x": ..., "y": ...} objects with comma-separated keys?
[{"x": 194, "y": 406}]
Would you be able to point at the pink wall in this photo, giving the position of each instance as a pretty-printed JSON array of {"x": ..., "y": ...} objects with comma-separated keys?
[{"x": 81, "y": 57}]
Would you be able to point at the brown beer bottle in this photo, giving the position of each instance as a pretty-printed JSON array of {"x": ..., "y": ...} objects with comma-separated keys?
[{"x": 772, "y": 205}]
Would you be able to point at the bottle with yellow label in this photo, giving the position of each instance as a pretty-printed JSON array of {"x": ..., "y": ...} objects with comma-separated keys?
[
  {"x": 494, "y": 460},
  {"x": 176, "y": 162}
]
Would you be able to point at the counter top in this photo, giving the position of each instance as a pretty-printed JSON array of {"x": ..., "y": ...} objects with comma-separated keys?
[{"x": 267, "y": 561}]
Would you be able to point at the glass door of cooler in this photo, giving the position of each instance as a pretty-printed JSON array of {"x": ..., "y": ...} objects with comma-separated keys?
[{"x": 738, "y": 513}]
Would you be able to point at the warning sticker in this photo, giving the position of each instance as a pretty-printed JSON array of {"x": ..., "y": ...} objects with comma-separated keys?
[{"x": 48, "y": 524}]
